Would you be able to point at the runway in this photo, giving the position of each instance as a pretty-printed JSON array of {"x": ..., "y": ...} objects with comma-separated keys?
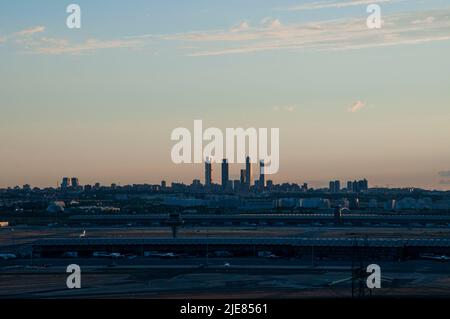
[{"x": 160, "y": 278}]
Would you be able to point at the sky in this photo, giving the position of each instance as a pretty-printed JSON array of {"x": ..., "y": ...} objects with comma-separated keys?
[{"x": 100, "y": 102}]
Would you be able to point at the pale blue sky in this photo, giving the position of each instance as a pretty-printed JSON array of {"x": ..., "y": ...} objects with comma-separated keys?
[{"x": 100, "y": 102}]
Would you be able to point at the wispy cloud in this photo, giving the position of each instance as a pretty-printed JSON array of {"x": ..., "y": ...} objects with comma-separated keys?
[
  {"x": 357, "y": 106},
  {"x": 284, "y": 108},
  {"x": 271, "y": 23},
  {"x": 31, "y": 31},
  {"x": 20, "y": 35},
  {"x": 269, "y": 34},
  {"x": 61, "y": 46},
  {"x": 334, "y": 4},
  {"x": 333, "y": 35},
  {"x": 425, "y": 20},
  {"x": 242, "y": 26},
  {"x": 31, "y": 41}
]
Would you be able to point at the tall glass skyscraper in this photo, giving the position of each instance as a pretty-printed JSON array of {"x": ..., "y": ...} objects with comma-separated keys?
[{"x": 224, "y": 173}]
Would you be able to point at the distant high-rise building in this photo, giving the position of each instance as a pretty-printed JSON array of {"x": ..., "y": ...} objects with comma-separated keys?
[
  {"x": 262, "y": 181},
  {"x": 75, "y": 182},
  {"x": 224, "y": 173},
  {"x": 332, "y": 186},
  {"x": 208, "y": 173},
  {"x": 337, "y": 186},
  {"x": 248, "y": 172},
  {"x": 349, "y": 186},
  {"x": 355, "y": 187},
  {"x": 242, "y": 176},
  {"x": 163, "y": 184},
  {"x": 360, "y": 186},
  {"x": 65, "y": 182},
  {"x": 365, "y": 185}
]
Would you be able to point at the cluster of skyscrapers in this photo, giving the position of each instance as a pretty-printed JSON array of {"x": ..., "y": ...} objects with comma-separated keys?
[
  {"x": 70, "y": 182},
  {"x": 245, "y": 181},
  {"x": 352, "y": 186},
  {"x": 243, "y": 184}
]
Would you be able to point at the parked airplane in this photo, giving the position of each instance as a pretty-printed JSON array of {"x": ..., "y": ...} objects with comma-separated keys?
[
  {"x": 70, "y": 254},
  {"x": 267, "y": 254},
  {"x": 437, "y": 258},
  {"x": 107, "y": 255},
  {"x": 170, "y": 255},
  {"x": 223, "y": 253},
  {"x": 160, "y": 255}
]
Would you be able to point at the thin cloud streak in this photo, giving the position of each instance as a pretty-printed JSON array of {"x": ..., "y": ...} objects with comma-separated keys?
[
  {"x": 61, "y": 46},
  {"x": 334, "y": 4},
  {"x": 29, "y": 42},
  {"x": 270, "y": 34},
  {"x": 23, "y": 34},
  {"x": 333, "y": 35},
  {"x": 30, "y": 31},
  {"x": 357, "y": 106},
  {"x": 286, "y": 108}
]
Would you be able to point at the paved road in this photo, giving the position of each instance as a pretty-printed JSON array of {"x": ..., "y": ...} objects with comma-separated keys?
[
  {"x": 16, "y": 236},
  {"x": 422, "y": 266}
]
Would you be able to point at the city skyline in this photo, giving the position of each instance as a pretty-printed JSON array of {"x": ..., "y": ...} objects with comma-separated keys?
[
  {"x": 246, "y": 185},
  {"x": 204, "y": 150},
  {"x": 244, "y": 182},
  {"x": 213, "y": 174},
  {"x": 100, "y": 102}
]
